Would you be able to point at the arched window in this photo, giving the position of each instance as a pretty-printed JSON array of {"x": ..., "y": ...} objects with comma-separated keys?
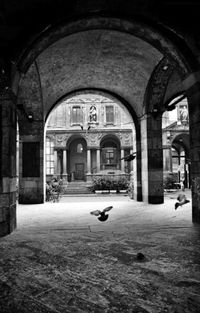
[{"x": 79, "y": 148}]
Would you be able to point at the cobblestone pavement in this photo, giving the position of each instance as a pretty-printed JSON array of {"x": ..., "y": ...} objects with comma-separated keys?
[{"x": 62, "y": 259}]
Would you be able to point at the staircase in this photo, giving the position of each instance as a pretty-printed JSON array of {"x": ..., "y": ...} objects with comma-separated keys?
[{"x": 76, "y": 187}]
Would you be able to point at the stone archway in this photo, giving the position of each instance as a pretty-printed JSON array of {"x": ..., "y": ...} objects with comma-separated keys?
[
  {"x": 48, "y": 69},
  {"x": 106, "y": 68},
  {"x": 181, "y": 145}
]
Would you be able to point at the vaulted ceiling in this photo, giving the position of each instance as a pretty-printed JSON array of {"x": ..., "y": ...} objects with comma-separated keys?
[
  {"x": 21, "y": 21},
  {"x": 118, "y": 54}
]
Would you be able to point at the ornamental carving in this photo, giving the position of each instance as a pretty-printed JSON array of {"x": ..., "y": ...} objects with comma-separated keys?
[
  {"x": 92, "y": 139},
  {"x": 61, "y": 140},
  {"x": 126, "y": 139}
]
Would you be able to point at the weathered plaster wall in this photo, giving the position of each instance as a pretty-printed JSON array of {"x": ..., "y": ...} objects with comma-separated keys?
[{"x": 7, "y": 165}]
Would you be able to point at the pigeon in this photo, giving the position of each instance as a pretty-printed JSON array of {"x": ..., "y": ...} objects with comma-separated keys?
[
  {"x": 140, "y": 256},
  {"x": 182, "y": 200},
  {"x": 103, "y": 216},
  {"x": 129, "y": 157}
]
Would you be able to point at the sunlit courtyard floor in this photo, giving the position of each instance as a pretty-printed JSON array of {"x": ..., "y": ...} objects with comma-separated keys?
[{"x": 63, "y": 259}]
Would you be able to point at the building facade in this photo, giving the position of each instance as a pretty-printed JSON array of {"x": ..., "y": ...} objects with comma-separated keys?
[
  {"x": 90, "y": 135},
  {"x": 87, "y": 136}
]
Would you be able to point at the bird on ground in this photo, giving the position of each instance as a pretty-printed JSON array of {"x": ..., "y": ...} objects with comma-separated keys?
[
  {"x": 182, "y": 200},
  {"x": 140, "y": 256},
  {"x": 102, "y": 214}
]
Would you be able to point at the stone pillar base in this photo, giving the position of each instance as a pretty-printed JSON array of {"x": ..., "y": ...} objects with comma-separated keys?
[
  {"x": 65, "y": 178},
  {"x": 7, "y": 219},
  {"x": 30, "y": 198},
  {"x": 156, "y": 199},
  {"x": 89, "y": 178}
]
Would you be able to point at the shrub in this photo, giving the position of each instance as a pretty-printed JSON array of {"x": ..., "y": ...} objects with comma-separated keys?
[
  {"x": 99, "y": 183},
  {"x": 169, "y": 181}
]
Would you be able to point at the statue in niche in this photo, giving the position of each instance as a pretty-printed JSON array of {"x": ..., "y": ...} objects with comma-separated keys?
[
  {"x": 93, "y": 114},
  {"x": 183, "y": 114}
]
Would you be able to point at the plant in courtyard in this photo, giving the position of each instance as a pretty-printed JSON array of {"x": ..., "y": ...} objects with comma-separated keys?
[
  {"x": 169, "y": 182},
  {"x": 100, "y": 183}
]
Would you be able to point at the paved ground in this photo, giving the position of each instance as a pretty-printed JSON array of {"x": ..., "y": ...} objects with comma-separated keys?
[{"x": 62, "y": 259}]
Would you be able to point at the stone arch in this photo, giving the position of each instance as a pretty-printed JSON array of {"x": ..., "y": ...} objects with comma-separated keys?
[
  {"x": 122, "y": 103},
  {"x": 164, "y": 41},
  {"x": 181, "y": 143}
]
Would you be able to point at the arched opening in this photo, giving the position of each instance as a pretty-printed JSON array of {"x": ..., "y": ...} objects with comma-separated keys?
[
  {"x": 105, "y": 73},
  {"x": 176, "y": 144},
  {"x": 77, "y": 159},
  {"x": 89, "y": 135},
  {"x": 110, "y": 153}
]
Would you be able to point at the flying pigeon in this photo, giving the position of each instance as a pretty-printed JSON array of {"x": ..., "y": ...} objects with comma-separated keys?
[
  {"x": 182, "y": 200},
  {"x": 129, "y": 157},
  {"x": 103, "y": 217}
]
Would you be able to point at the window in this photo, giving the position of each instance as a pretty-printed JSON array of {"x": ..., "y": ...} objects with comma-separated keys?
[
  {"x": 49, "y": 156},
  {"x": 109, "y": 155},
  {"x": 109, "y": 114},
  {"x": 77, "y": 115},
  {"x": 79, "y": 148}
]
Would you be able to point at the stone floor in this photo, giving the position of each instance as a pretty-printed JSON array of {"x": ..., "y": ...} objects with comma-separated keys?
[{"x": 62, "y": 259}]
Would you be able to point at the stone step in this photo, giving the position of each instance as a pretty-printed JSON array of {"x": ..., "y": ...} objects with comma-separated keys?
[{"x": 76, "y": 188}]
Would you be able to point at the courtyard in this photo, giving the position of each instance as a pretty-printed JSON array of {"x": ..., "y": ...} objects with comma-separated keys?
[{"x": 63, "y": 259}]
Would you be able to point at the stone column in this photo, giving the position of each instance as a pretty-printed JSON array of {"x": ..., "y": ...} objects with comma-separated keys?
[
  {"x": 131, "y": 163},
  {"x": 88, "y": 175},
  {"x": 65, "y": 165},
  {"x": 152, "y": 159},
  {"x": 122, "y": 161},
  {"x": 7, "y": 163},
  {"x": 167, "y": 158},
  {"x": 64, "y": 162},
  {"x": 137, "y": 164},
  {"x": 55, "y": 162},
  {"x": 98, "y": 160},
  {"x": 192, "y": 84},
  {"x": 88, "y": 161}
]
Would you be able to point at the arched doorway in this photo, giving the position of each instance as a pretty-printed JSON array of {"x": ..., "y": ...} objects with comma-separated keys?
[
  {"x": 110, "y": 154},
  {"x": 181, "y": 159},
  {"x": 77, "y": 160}
]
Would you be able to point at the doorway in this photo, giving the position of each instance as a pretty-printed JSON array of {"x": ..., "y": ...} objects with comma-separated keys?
[{"x": 79, "y": 171}]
